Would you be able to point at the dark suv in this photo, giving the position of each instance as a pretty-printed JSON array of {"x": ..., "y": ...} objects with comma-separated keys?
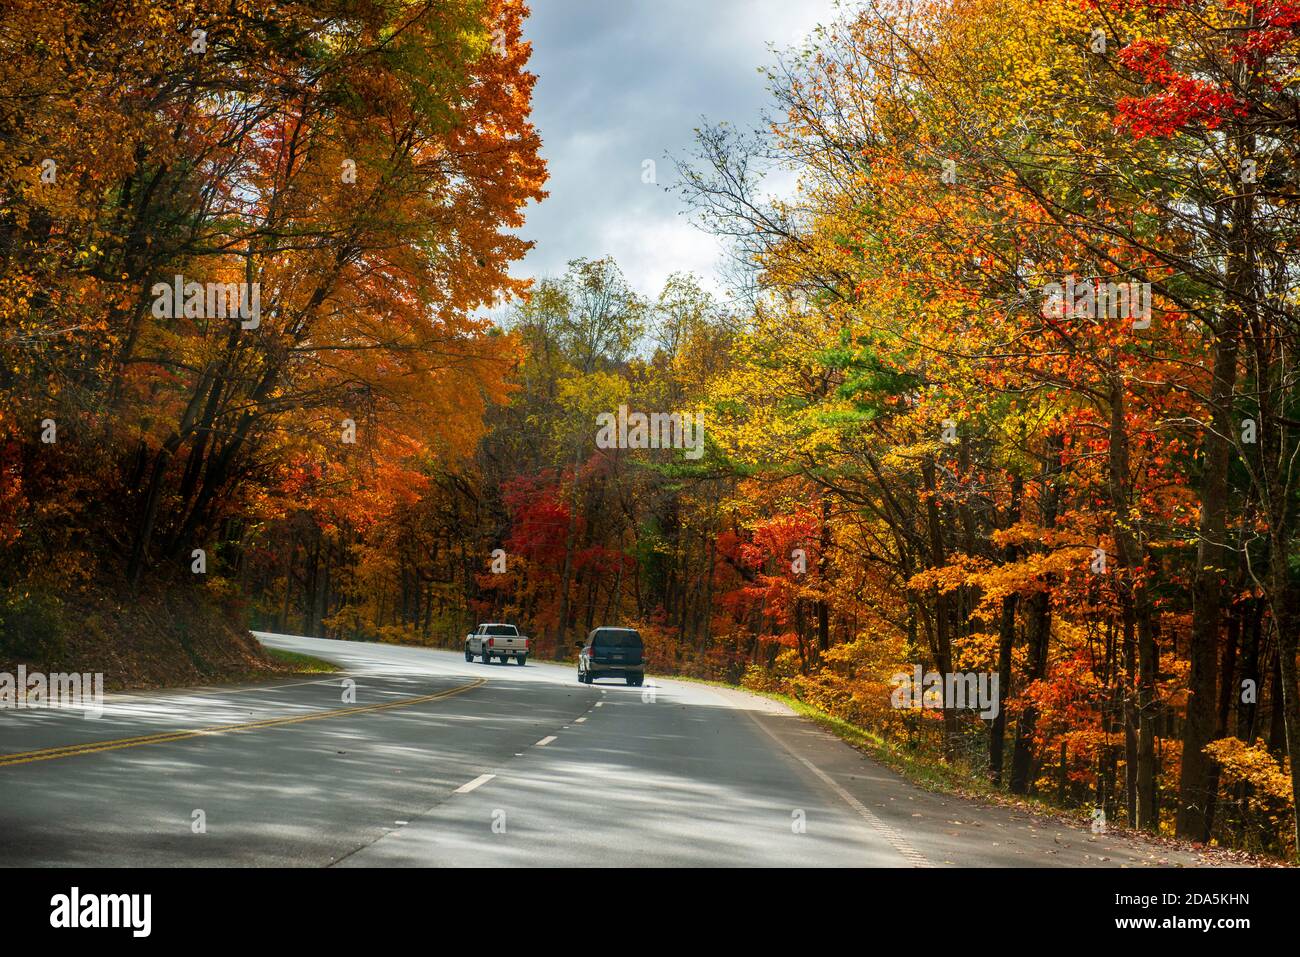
[{"x": 612, "y": 653}]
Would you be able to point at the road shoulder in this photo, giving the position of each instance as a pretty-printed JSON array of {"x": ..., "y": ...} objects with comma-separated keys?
[{"x": 956, "y": 830}]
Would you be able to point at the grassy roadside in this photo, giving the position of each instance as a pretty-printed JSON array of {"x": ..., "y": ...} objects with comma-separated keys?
[
  {"x": 300, "y": 663},
  {"x": 933, "y": 776}
]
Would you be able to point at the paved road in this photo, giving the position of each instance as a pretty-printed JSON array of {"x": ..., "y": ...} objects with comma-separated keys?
[{"x": 439, "y": 762}]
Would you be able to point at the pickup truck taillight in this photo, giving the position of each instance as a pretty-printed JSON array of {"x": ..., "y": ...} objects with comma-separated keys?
[
  {"x": 492, "y": 642},
  {"x": 528, "y": 644}
]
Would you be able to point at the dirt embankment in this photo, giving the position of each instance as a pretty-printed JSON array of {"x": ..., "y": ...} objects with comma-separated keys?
[{"x": 165, "y": 639}]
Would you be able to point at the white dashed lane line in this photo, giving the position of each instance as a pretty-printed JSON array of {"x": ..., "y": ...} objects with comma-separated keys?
[
  {"x": 485, "y": 778},
  {"x": 471, "y": 785}
]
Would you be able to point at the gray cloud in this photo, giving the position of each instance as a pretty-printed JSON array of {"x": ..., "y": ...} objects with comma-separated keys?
[{"x": 626, "y": 81}]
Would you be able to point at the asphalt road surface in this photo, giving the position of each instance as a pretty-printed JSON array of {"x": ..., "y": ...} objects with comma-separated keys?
[{"x": 415, "y": 757}]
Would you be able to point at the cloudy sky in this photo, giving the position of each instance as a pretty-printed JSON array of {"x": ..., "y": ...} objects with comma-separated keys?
[{"x": 624, "y": 81}]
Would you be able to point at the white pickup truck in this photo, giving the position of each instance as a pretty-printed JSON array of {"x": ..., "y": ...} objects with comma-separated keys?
[{"x": 493, "y": 640}]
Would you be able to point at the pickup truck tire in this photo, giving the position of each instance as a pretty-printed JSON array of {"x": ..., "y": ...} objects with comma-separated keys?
[
  {"x": 469, "y": 655},
  {"x": 521, "y": 660}
]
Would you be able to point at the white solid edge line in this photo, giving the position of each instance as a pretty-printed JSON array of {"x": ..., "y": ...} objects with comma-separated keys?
[
  {"x": 900, "y": 843},
  {"x": 471, "y": 785}
]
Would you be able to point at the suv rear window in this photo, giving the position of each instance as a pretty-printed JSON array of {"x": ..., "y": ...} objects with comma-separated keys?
[{"x": 617, "y": 638}]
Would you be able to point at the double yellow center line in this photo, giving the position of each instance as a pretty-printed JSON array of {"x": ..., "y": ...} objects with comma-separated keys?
[{"x": 165, "y": 737}]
